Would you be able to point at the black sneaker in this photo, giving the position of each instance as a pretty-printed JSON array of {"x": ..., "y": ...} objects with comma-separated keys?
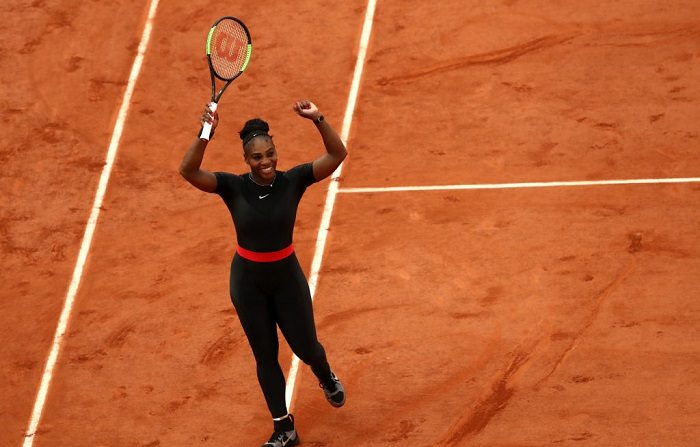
[
  {"x": 282, "y": 439},
  {"x": 334, "y": 391}
]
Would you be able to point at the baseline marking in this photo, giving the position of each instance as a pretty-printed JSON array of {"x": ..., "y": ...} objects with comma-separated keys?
[
  {"x": 333, "y": 186},
  {"x": 89, "y": 231},
  {"x": 649, "y": 181}
]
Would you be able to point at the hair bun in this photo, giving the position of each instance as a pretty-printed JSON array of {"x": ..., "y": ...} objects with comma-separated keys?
[{"x": 253, "y": 128}]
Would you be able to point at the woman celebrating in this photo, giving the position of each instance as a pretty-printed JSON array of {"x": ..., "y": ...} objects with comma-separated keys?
[{"x": 267, "y": 286}]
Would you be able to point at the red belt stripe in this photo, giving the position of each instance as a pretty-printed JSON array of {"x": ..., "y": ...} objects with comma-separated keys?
[{"x": 268, "y": 256}]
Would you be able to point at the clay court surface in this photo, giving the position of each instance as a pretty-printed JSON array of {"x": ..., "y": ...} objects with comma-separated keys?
[{"x": 563, "y": 316}]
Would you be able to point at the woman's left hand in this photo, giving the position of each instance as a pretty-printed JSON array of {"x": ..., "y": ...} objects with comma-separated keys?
[{"x": 306, "y": 109}]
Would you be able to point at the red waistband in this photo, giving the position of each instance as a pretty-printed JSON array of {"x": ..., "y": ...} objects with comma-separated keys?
[{"x": 267, "y": 256}]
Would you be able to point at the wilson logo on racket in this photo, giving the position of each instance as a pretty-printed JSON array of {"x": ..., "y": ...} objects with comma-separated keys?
[{"x": 228, "y": 47}]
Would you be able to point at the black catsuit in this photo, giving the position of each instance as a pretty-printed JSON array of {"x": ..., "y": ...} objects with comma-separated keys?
[{"x": 271, "y": 294}]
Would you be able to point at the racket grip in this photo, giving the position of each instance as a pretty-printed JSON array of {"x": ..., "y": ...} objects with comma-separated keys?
[{"x": 206, "y": 128}]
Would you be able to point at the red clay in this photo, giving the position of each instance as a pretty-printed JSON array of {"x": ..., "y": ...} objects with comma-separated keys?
[
  {"x": 63, "y": 69},
  {"x": 484, "y": 318}
]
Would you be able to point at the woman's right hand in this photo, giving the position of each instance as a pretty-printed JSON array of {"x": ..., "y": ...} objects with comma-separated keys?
[{"x": 209, "y": 117}]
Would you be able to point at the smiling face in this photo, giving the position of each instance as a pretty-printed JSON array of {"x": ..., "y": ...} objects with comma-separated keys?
[{"x": 260, "y": 154}]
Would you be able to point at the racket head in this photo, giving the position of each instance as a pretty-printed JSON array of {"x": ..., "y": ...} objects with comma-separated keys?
[{"x": 229, "y": 47}]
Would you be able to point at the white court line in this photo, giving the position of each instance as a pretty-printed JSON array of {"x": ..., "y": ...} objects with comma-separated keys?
[
  {"x": 644, "y": 181},
  {"x": 333, "y": 186},
  {"x": 89, "y": 232}
]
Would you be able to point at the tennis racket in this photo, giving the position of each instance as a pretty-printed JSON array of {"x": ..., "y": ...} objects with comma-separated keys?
[{"x": 228, "y": 51}]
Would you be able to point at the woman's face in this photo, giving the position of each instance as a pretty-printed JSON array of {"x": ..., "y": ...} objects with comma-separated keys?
[{"x": 260, "y": 154}]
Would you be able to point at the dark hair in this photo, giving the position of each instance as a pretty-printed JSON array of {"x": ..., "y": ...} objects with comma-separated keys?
[{"x": 252, "y": 129}]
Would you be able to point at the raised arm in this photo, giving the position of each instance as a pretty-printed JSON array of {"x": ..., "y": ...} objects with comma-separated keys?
[
  {"x": 335, "y": 149},
  {"x": 190, "y": 168}
]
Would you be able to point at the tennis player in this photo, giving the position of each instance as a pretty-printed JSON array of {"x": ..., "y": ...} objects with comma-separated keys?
[{"x": 267, "y": 286}]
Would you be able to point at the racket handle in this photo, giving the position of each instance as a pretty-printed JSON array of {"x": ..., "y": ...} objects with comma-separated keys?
[{"x": 206, "y": 128}]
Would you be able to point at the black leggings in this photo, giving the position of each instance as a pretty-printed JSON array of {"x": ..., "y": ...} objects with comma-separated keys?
[{"x": 271, "y": 294}]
